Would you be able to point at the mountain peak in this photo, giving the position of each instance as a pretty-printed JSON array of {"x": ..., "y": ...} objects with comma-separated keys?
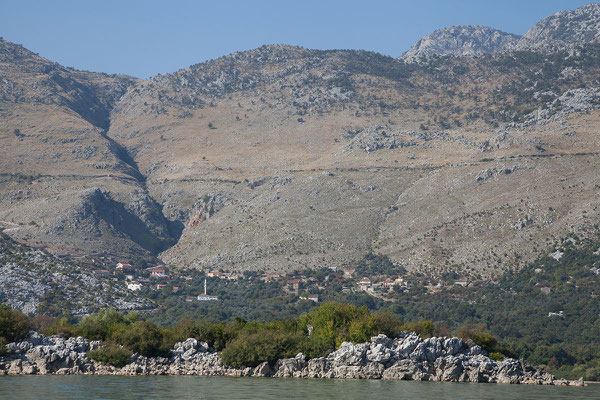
[
  {"x": 565, "y": 28},
  {"x": 462, "y": 40}
]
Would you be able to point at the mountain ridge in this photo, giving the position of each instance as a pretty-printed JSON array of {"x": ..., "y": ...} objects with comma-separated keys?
[{"x": 283, "y": 158}]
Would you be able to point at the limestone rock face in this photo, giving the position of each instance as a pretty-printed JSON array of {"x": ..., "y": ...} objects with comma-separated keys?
[
  {"x": 290, "y": 367},
  {"x": 462, "y": 41},
  {"x": 407, "y": 357},
  {"x": 564, "y": 29}
]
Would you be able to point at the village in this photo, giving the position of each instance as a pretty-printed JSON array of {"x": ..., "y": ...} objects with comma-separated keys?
[{"x": 308, "y": 285}]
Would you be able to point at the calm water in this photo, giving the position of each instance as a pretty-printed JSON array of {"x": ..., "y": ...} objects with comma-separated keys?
[{"x": 183, "y": 387}]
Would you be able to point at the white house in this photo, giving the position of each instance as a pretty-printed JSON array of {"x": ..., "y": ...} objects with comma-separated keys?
[{"x": 134, "y": 285}]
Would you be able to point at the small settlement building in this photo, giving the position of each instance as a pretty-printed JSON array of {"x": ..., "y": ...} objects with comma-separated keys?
[
  {"x": 158, "y": 273},
  {"x": 311, "y": 297},
  {"x": 364, "y": 284},
  {"x": 293, "y": 284},
  {"x": 133, "y": 285}
]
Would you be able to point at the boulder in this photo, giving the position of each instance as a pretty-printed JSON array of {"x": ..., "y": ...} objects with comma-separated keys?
[
  {"x": 263, "y": 369},
  {"x": 288, "y": 367}
]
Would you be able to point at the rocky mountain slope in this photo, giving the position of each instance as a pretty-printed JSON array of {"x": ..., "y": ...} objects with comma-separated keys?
[
  {"x": 462, "y": 41},
  {"x": 283, "y": 158},
  {"x": 34, "y": 281},
  {"x": 564, "y": 29}
]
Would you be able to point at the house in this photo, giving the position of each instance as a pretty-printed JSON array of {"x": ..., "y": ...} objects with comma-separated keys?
[
  {"x": 313, "y": 297},
  {"x": 461, "y": 282},
  {"x": 160, "y": 286},
  {"x": 158, "y": 273},
  {"x": 364, "y": 284},
  {"x": 175, "y": 289},
  {"x": 556, "y": 314},
  {"x": 122, "y": 266},
  {"x": 101, "y": 272},
  {"x": 270, "y": 277},
  {"x": 294, "y": 284},
  {"x": 388, "y": 283},
  {"x": 134, "y": 285},
  {"x": 215, "y": 274},
  {"x": 399, "y": 281},
  {"x": 129, "y": 277}
]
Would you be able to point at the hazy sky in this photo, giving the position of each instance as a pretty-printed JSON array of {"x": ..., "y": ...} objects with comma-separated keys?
[{"x": 144, "y": 38}]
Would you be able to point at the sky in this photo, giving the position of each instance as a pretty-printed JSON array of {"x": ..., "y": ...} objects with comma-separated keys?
[{"x": 146, "y": 37}]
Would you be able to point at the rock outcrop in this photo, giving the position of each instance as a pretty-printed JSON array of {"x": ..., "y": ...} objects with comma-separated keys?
[
  {"x": 564, "y": 29},
  {"x": 408, "y": 357},
  {"x": 29, "y": 277},
  {"x": 462, "y": 41}
]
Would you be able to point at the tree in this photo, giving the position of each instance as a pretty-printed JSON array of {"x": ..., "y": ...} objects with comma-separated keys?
[{"x": 14, "y": 325}]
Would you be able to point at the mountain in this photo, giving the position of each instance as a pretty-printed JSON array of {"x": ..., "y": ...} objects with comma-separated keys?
[
  {"x": 564, "y": 29},
  {"x": 60, "y": 167},
  {"x": 462, "y": 41},
  {"x": 283, "y": 158}
]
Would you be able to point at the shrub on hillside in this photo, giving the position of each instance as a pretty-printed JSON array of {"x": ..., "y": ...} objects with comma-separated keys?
[
  {"x": 61, "y": 327},
  {"x": 111, "y": 354},
  {"x": 217, "y": 335},
  {"x": 486, "y": 341},
  {"x": 250, "y": 349},
  {"x": 423, "y": 328},
  {"x": 372, "y": 265},
  {"x": 103, "y": 324},
  {"x": 14, "y": 325},
  {"x": 3, "y": 349},
  {"x": 142, "y": 337}
]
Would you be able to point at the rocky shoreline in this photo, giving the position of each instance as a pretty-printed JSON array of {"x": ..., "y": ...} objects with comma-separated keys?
[{"x": 408, "y": 357}]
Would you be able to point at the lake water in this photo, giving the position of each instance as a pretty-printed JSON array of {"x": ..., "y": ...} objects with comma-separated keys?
[{"x": 188, "y": 387}]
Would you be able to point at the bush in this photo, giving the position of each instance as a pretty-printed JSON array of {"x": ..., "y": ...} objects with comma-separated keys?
[
  {"x": 331, "y": 322},
  {"x": 61, "y": 327},
  {"x": 43, "y": 322},
  {"x": 14, "y": 325},
  {"x": 103, "y": 325},
  {"x": 485, "y": 340},
  {"x": 3, "y": 349},
  {"x": 111, "y": 354},
  {"x": 251, "y": 349},
  {"x": 371, "y": 265},
  {"x": 215, "y": 334},
  {"x": 423, "y": 328},
  {"x": 314, "y": 347},
  {"x": 389, "y": 324},
  {"x": 142, "y": 337}
]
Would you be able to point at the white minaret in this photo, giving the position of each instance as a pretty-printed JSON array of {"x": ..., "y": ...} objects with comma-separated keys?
[{"x": 204, "y": 285}]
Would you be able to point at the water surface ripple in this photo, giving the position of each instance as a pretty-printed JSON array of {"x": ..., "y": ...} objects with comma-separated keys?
[{"x": 193, "y": 387}]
